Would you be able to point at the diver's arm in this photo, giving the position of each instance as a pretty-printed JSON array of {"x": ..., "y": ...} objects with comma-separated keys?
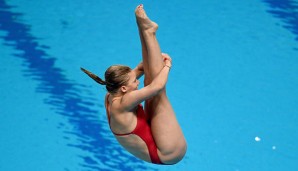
[
  {"x": 139, "y": 70},
  {"x": 132, "y": 99}
]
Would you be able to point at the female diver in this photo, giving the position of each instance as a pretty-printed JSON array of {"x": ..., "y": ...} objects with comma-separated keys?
[{"x": 153, "y": 135}]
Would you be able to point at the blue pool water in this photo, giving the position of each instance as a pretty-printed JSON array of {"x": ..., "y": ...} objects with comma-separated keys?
[{"x": 233, "y": 85}]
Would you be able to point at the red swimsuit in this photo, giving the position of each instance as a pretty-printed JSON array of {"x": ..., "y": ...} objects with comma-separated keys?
[{"x": 143, "y": 130}]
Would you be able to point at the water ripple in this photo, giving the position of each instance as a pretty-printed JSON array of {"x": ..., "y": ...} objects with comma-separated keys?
[{"x": 287, "y": 11}]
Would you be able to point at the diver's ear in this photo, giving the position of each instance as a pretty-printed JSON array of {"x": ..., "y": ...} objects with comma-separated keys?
[{"x": 123, "y": 89}]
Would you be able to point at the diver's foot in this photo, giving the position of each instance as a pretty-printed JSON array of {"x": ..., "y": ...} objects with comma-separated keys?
[{"x": 144, "y": 23}]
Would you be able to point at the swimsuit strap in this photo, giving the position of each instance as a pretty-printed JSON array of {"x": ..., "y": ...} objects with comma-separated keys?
[
  {"x": 109, "y": 116},
  {"x": 109, "y": 106}
]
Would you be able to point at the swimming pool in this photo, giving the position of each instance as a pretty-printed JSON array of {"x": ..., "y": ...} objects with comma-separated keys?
[{"x": 233, "y": 83}]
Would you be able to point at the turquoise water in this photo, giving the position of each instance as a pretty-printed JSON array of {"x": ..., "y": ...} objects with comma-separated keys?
[{"x": 233, "y": 84}]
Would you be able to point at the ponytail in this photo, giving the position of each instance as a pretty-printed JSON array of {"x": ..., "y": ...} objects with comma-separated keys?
[
  {"x": 115, "y": 77},
  {"x": 94, "y": 77}
]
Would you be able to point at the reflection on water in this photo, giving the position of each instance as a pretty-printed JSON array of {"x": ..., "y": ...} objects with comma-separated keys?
[
  {"x": 63, "y": 96},
  {"x": 287, "y": 11}
]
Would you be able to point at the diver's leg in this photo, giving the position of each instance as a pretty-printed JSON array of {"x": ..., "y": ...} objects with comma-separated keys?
[
  {"x": 147, "y": 78},
  {"x": 165, "y": 128},
  {"x": 151, "y": 27}
]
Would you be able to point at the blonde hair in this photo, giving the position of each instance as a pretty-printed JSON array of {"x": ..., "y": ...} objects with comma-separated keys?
[{"x": 115, "y": 77}]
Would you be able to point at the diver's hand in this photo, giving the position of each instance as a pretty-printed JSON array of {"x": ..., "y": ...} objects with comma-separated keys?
[
  {"x": 167, "y": 59},
  {"x": 140, "y": 67}
]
